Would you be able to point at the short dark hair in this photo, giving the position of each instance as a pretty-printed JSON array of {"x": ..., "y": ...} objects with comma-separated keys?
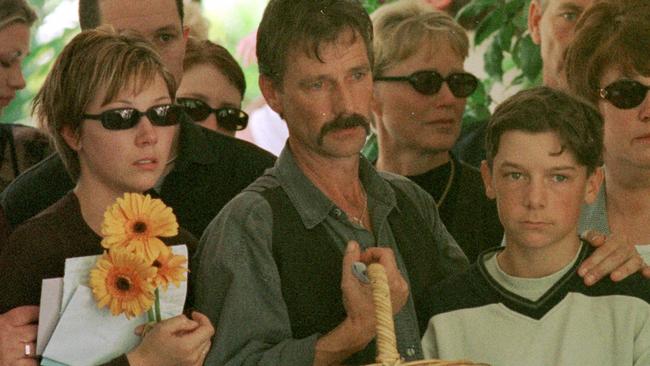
[
  {"x": 542, "y": 109},
  {"x": 306, "y": 23},
  {"x": 89, "y": 16},
  {"x": 205, "y": 52},
  {"x": 611, "y": 33}
]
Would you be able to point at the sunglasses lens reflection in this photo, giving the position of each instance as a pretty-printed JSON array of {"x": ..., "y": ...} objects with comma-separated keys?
[
  {"x": 626, "y": 94},
  {"x": 120, "y": 119},
  {"x": 164, "y": 115},
  {"x": 196, "y": 109},
  {"x": 232, "y": 118}
]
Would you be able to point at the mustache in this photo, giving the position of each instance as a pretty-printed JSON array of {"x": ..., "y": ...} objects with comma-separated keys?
[{"x": 342, "y": 122}]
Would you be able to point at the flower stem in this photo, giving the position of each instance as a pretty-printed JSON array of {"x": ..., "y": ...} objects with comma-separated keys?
[
  {"x": 158, "y": 317},
  {"x": 151, "y": 317}
]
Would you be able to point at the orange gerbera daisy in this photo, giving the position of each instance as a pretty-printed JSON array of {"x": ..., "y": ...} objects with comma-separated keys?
[
  {"x": 124, "y": 282},
  {"x": 135, "y": 222},
  {"x": 170, "y": 269}
]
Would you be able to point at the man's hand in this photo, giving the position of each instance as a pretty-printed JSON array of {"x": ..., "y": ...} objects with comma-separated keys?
[
  {"x": 614, "y": 255},
  {"x": 358, "y": 328},
  {"x": 399, "y": 290},
  {"x": 18, "y": 335},
  {"x": 175, "y": 341}
]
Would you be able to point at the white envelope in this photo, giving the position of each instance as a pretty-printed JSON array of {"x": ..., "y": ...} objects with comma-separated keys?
[
  {"x": 48, "y": 315},
  {"x": 86, "y": 335}
]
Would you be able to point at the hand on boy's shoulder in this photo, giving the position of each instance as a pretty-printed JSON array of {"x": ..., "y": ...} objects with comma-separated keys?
[{"x": 614, "y": 256}]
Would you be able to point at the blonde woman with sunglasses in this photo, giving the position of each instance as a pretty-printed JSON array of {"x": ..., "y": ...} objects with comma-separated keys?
[
  {"x": 108, "y": 106},
  {"x": 420, "y": 92}
]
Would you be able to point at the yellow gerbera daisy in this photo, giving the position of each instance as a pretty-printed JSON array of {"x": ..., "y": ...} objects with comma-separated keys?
[
  {"x": 170, "y": 269},
  {"x": 135, "y": 221},
  {"x": 124, "y": 282}
]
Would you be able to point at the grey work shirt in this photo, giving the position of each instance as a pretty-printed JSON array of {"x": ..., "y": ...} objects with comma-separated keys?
[
  {"x": 237, "y": 284},
  {"x": 594, "y": 216}
]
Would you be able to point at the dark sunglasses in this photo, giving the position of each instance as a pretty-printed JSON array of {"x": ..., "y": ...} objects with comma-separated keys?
[
  {"x": 624, "y": 93},
  {"x": 429, "y": 82},
  {"x": 125, "y": 118},
  {"x": 232, "y": 119}
]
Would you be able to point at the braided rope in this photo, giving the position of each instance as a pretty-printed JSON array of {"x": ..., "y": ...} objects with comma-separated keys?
[
  {"x": 386, "y": 341},
  {"x": 387, "y": 354}
]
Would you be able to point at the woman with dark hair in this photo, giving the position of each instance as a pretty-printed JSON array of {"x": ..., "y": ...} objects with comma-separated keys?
[
  {"x": 608, "y": 65},
  {"x": 212, "y": 88}
]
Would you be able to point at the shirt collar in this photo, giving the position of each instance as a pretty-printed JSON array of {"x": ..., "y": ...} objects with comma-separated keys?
[{"x": 314, "y": 206}]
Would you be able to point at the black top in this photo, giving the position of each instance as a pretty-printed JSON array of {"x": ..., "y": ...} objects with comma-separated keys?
[
  {"x": 210, "y": 170},
  {"x": 470, "y": 146},
  {"x": 470, "y": 217},
  {"x": 38, "y": 249}
]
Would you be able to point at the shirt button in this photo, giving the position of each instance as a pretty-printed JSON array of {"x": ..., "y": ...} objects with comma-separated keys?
[
  {"x": 337, "y": 212},
  {"x": 410, "y": 351}
]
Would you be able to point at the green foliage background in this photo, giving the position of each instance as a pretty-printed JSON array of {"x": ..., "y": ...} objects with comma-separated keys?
[{"x": 511, "y": 57}]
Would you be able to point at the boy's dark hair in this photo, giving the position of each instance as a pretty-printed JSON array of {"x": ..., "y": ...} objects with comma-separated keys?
[
  {"x": 542, "y": 109},
  {"x": 307, "y": 24},
  {"x": 89, "y": 16}
]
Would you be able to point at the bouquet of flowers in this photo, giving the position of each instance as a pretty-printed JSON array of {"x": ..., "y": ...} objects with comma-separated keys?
[{"x": 105, "y": 297}]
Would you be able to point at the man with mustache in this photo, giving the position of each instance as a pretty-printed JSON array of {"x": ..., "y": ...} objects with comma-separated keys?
[{"x": 273, "y": 270}]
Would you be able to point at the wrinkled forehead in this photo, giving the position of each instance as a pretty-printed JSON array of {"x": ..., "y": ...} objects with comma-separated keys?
[{"x": 315, "y": 47}]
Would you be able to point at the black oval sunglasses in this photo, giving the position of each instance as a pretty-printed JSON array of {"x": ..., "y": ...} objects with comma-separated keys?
[
  {"x": 232, "y": 119},
  {"x": 429, "y": 82},
  {"x": 125, "y": 118},
  {"x": 624, "y": 93}
]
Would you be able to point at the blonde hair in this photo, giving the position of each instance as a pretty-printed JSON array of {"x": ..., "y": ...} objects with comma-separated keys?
[
  {"x": 401, "y": 27},
  {"x": 16, "y": 11},
  {"x": 94, "y": 59}
]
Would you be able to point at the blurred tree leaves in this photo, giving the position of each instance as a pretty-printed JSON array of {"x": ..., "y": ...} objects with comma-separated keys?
[{"x": 511, "y": 51}]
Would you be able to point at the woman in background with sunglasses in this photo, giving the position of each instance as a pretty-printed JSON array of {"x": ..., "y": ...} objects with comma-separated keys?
[
  {"x": 107, "y": 104},
  {"x": 212, "y": 88},
  {"x": 419, "y": 97},
  {"x": 608, "y": 64}
]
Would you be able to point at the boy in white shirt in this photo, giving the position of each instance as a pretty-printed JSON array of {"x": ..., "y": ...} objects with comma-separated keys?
[{"x": 524, "y": 304}]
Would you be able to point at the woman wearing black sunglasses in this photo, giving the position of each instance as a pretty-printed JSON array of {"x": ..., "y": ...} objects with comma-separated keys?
[
  {"x": 419, "y": 98},
  {"x": 212, "y": 88},
  {"x": 608, "y": 64},
  {"x": 107, "y": 104}
]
